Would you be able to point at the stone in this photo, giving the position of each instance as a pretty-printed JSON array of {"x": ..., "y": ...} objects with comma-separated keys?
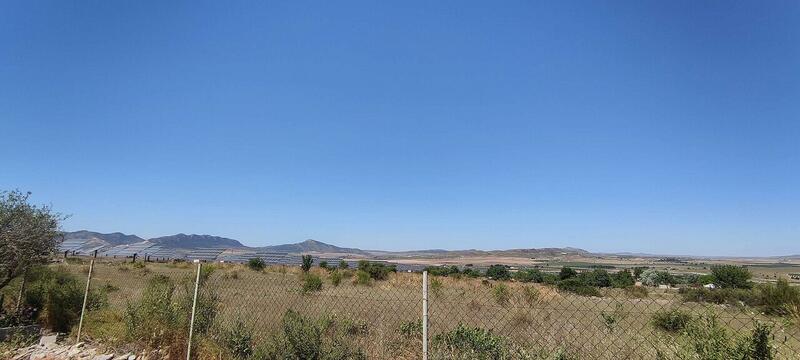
[{"x": 48, "y": 341}]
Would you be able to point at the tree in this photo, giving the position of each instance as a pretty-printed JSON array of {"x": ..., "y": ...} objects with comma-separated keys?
[
  {"x": 498, "y": 272},
  {"x": 307, "y": 262},
  {"x": 29, "y": 234},
  {"x": 566, "y": 273},
  {"x": 256, "y": 264},
  {"x": 731, "y": 276}
]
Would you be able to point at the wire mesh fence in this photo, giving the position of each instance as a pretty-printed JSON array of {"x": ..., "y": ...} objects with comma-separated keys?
[{"x": 283, "y": 312}]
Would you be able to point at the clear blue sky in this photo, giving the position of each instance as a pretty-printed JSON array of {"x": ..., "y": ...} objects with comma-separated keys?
[{"x": 653, "y": 126}]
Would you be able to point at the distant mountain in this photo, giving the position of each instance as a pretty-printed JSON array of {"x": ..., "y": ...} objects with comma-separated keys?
[
  {"x": 314, "y": 246},
  {"x": 116, "y": 238},
  {"x": 183, "y": 241}
]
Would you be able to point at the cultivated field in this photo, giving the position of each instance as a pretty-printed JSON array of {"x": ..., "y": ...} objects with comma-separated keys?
[{"x": 381, "y": 317}]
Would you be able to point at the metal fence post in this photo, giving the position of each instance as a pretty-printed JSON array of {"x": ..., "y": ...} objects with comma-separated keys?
[
  {"x": 85, "y": 300},
  {"x": 194, "y": 306},
  {"x": 424, "y": 315}
]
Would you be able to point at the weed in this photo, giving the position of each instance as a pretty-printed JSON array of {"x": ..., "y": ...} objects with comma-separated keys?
[
  {"x": 501, "y": 294},
  {"x": 312, "y": 283},
  {"x": 673, "y": 320},
  {"x": 336, "y": 277},
  {"x": 530, "y": 295}
]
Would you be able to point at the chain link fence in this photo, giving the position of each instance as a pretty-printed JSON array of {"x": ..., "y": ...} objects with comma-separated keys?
[{"x": 282, "y": 312}]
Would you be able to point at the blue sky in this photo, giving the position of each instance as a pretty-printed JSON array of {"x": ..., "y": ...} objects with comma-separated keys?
[{"x": 665, "y": 127}]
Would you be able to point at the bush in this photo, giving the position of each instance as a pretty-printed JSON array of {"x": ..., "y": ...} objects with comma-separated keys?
[
  {"x": 778, "y": 299},
  {"x": 336, "y": 277},
  {"x": 307, "y": 262},
  {"x": 529, "y": 275},
  {"x": 577, "y": 286},
  {"x": 411, "y": 329},
  {"x": 376, "y": 271},
  {"x": 567, "y": 273},
  {"x": 470, "y": 343},
  {"x": 731, "y": 276},
  {"x": 597, "y": 278},
  {"x": 720, "y": 296},
  {"x": 653, "y": 277},
  {"x": 343, "y": 265},
  {"x": 312, "y": 283},
  {"x": 471, "y": 273},
  {"x": 362, "y": 278},
  {"x": 55, "y": 298},
  {"x": 622, "y": 279},
  {"x": 705, "y": 338},
  {"x": 442, "y": 270},
  {"x": 304, "y": 338},
  {"x": 256, "y": 264},
  {"x": 324, "y": 265},
  {"x": 239, "y": 341},
  {"x": 498, "y": 272},
  {"x": 674, "y": 320},
  {"x": 501, "y": 294}
]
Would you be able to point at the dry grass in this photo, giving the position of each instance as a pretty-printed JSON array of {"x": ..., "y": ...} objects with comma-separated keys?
[{"x": 548, "y": 321}]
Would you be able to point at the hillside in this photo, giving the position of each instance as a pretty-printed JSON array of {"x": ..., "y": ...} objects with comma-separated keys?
[
  {"x": 116, "y": 238},
  {"x": 314, "y": 246},
  {"x": 184, "y": 241}
]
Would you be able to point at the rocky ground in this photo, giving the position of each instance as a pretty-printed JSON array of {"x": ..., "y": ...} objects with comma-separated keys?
[{"x": 49, "y": 349}]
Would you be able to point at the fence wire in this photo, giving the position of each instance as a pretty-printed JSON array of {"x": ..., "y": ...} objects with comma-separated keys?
[{"x": 281, "y": 312}]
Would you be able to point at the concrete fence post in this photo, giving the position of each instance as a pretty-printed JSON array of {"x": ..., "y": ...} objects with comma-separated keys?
[
  {"x": 85, "y": 300},
  {"x": 194, "y": 307},
  {"x": 424, "y": 315},
  {"x": 18, "y": 306}
]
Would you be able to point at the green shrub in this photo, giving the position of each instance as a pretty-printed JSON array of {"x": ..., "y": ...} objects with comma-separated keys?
[
  {"x": 470, "y": 343},
  {"x": 778, "y": 298},
  {"x": 673, "y": 320},
  {"x": 307, "y": 262},
  {"x": 362, "y": 278},
  {"x": 577, "y": 286},
  {"x": 256, "y": 264},
  {"x": 304, "y": 338},
  {"x": 139, "y": 265},
  {"x": 622, "y": 279},
  {"x": 653, "y": 277},
  {"x": 501, "y": 294},
  {"x": 343, "y": 265},
  {"x": 731, "y": 276},
  {"x": 239, "y": 340},
  {"x": 498, "y": 272},
  {"x": 567, "y": 273},
  {"x": 324, "y": 265},
  {"x": 412, "y": 329},
  {"x": 312, "y": 283},
  {"x": 376, "y": 271},
  {"x": 442, "y": 270},
  {"x": 720, "y": 296},
  {"x": 55, "y": 298},
  {"x": 529, "y": 275},
  {"x": 704, "y": 338},
  {"x": 471, "y": 273},
  {"x": 597, "y": 278},
  {"x": 336, "y": 277}
]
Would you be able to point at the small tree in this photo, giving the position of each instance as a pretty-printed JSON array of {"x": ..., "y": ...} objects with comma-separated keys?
[
  {"x": 731, "y": 276},
  {"x": 307, "y": 262},
  {"x": 498, "y": 272},
  {"x": 256, "y": 264},
  {"x": 343, "y": 265},
  {"x": 567, "y": 272},
  {"x": 29, "y": 234},
  {"x": 323, "y": 265}
]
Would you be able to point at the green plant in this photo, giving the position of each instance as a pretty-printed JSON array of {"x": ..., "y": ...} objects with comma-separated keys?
[
  {"x": 376, "y": 271},
  {"x": 470, "y": 343},
  {"x": 529, "y": 275},
  {"x": 498, "y": 272},
  {"x": 673, "y": 320},
  {"x": 304, "y": 338},
  {"x": 256, "y": 264},
  {"x": 307, "y": 262},
  {"x": 312, "y": 283},
  {"x": 56, "y": 298},
  {"x": 501, "y": 294},
  {"x": 343, "y": 265},
  {"x": 567, "y": 273},
  {"x": 654, "y": 277},
  {"x": 777, "y": 299},
  {"x": 324, "y": 265},
  {"x": 239, "y": 340},
  {"x": 577, "y": 286},
  {"x": 731, "y": 276},
  {"x": 139, "y": 265},
  {"x": 622, "y": 279},
  {"x": 412, "y": 329},
  {"x": 362, "y": 278},
  {"x": 335, "y": 277}
]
